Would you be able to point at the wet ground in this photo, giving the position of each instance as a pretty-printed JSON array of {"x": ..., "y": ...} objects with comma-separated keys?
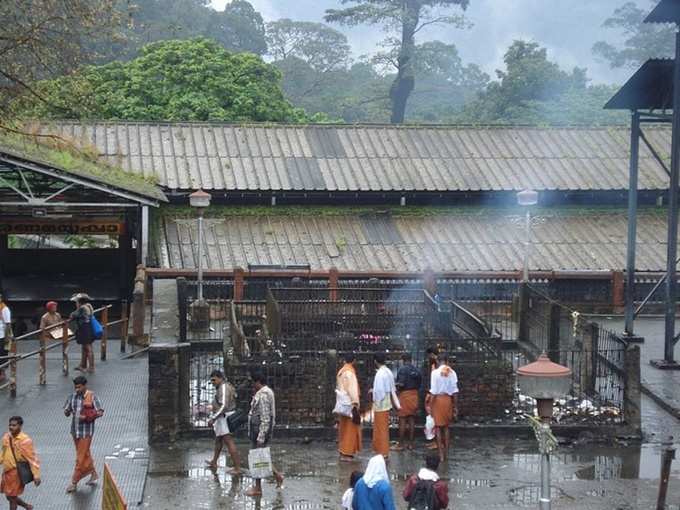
[{"x": 482, "y": 473}]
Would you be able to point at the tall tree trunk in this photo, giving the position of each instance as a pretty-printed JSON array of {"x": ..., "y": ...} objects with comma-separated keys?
[{"x": 405, "y": 81}]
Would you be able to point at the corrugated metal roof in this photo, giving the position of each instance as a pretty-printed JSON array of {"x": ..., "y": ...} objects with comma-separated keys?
[
  {"x": 185, "y": 156},
  {"x": 481, "y": 240}
]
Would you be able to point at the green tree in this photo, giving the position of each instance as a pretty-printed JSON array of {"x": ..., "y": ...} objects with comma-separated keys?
[
  {"x": 185, "y": 80},
  {"x": 641, "y": 40},
  {"x": 529, "y": 76},
  {"x": 404, "y": 19},
  {"x": 239, "y": 28},
  {"x": 46, "y": 38}
]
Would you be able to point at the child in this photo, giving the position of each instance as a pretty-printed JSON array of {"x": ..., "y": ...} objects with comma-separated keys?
[{"x": 349, "y": 493}]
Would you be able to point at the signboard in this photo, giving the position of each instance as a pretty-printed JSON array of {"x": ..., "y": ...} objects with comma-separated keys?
[
  {"x": 112, "y": 498},
  {"x": 29, "y": 226}
]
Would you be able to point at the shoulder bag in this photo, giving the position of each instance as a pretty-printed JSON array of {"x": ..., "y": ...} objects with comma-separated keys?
[
  {"x": 23, "y": 467},
  {"x": 88, "y": 413}
]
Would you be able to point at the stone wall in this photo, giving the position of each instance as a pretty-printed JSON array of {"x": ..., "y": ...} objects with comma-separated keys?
[{"x": 486, "y": 389}]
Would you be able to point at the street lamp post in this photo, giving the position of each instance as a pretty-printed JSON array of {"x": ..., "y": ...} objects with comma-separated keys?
[
  {"x": 544, "y": 381},
  {"x": 527, "y": 198},
  {"x": 200, "y": 313}
]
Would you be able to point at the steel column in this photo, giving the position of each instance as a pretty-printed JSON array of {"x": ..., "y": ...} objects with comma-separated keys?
[
  {"x": 672, "y": 254},
  {"x": 632, "y": 221}
]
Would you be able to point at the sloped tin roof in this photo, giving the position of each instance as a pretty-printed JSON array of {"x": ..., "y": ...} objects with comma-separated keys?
[{"x": 330, "y": 158}]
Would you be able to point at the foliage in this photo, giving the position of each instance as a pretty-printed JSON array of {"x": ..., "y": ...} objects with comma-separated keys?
[
  {"x": 534, "y": 90},
  {"x": 642, "y": 40},
  {"x": 238, "y": 28},
  {"x": 46, "y": 38},
  {"x": 187, "y": 80},
  {"x": 403, "y": 19}
]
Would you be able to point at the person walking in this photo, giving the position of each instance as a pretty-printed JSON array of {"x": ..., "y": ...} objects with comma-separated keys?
[
  {"x": 373, "y": 491},
  {"x": 349, "y": 427},
  {"x": 224, "y": 405},
  {"x": 5, "y": 333},
  {"x": 424, "y": 490},
  {"x": 84, "y": 407},
  {"x": 17, "y": 447},
  {"x": 384, "y": 394},
  {"x": 82, "y": 319},
  {"x": 408, "y": 388},
  {"x": 261, "y": 421},
  {"x": 442, "y": 402}
]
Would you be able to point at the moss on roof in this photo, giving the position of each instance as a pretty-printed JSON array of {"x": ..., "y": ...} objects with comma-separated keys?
[
  {"x": 220, "y": 211},
  {"x": 81, "y": 161}
]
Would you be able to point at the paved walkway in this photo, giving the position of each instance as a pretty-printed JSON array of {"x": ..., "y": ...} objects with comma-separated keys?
[
  {"x": 662, "y": 385},
  {"x": 120, "y": 437}
]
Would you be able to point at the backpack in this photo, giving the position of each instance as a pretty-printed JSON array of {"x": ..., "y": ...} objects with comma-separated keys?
[
  {"x": 423, "y": 496},
  {"x": 97, "y": 329}
]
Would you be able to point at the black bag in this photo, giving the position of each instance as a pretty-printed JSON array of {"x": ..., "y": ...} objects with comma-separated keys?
[
  {"x": 237, "y": 420},
  {"x": 423, "y": 496},
  {"x": 23, "y": 468}
]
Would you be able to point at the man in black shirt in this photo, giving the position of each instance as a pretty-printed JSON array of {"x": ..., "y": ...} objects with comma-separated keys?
[{"x": 408, "y": 388}]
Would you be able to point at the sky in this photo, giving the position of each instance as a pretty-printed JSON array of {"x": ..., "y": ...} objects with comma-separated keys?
[{"x": 567, "y": 28}]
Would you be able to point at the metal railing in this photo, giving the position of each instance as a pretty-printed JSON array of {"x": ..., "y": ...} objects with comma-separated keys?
[{"x": 11, "y": 361}]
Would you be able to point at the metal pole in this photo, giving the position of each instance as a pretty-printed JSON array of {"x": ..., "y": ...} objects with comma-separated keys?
[
  {"x": 632, "y": 221},
  {"x": 544, "y": 501},
  {"x": 200, "y": 256},
  {"x": 672, "y": 253},
  {"x": 525, "y": 276}
]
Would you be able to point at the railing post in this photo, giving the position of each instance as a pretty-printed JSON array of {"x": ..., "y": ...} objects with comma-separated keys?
[
  {"x": 13, "y": 368},
  {"x": 631, "y": 389},
  {"x": 554, "y": 333},
  {"x": 64, "y": 348},
  {"x": 594, "y": 354},
  {"x": 182, "y": 307},
  {"x": 239, "y": 284},
  {"x": 333, "y": 283},
  {"x": 42, "y": 359},
  {"x": 105, "y": 333},
  {"x": 523, "y": 327},
  {"x": 588, "y": 359},
  {"x": 124, "y": 326}
]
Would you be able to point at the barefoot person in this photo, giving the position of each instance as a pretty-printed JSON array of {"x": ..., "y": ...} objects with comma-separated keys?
[
  {"x": 384, "y": 394},
  {"x": 443, "y": 402},
  {"x": 408, "y": 387},
  {"x": 261, "y": 421},
  {"x": 17, "y": 447},
  {"x": 224, "y": 406},
  {"x": 81, "y": 405},
  {"x": 349, "y": 427},
  {"x": 81, "y": 319}
]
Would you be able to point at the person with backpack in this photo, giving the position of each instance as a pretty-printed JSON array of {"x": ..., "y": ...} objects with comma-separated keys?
[
  {"x": 425, "y": 491},
  {"x": 81, "y": 318}
]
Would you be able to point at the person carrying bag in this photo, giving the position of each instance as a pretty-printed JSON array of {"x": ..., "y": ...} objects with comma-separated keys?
[{"x": 19, "y": 462}]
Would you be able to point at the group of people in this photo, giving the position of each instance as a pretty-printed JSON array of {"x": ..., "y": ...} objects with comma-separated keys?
[
  {"x": 19, "y": 459},
  {"x": 371, "y": 490},
  {"x": 403, "y": 394},
  {"x": 261, "y": 422},
  {"x": 79, "y": 321}
]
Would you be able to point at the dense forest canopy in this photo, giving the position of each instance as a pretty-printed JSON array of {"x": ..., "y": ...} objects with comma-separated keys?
[{"x": 185, "y": 60}]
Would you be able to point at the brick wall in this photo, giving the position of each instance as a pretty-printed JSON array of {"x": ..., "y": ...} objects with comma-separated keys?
[{"x": 486, "y": 389}]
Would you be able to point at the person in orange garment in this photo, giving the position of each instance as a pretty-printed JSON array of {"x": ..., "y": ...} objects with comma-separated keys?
[
  {"x": 79, "y": 405},
  {"x": 384, "y": 395},
  {"x": 17, "y": 447},
  {"x": 442, "y": 402},
  {"x": 408, "y": 385},
  {"x": 349, "y": 427}
]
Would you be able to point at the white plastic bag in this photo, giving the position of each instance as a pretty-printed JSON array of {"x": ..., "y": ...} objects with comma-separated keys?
[
  {"x": 429, "y": 428},
  {"x": 343, "y": 404},
  {"x": 260, "y": 463}
]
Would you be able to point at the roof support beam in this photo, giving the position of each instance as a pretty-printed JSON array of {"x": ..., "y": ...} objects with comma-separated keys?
[
  {"x": 635, "y": 135},
  {"x": 651, "y": 148},
  {"x": 16, "y": 190}
]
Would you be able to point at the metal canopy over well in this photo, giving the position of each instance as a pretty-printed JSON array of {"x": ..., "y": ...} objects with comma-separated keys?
[
  {"x": 371, "y": 159},
  {"x": 474, "y": 240},
  {"x": 53, "y": 194}
]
